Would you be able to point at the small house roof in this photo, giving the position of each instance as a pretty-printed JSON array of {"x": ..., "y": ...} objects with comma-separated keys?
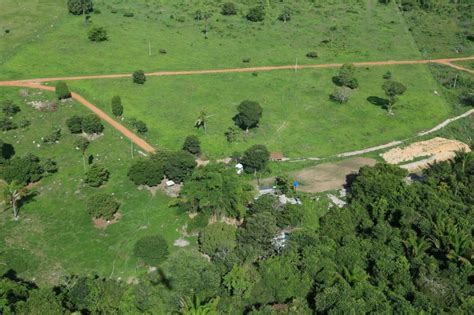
[{"x": 276, "y": 155}]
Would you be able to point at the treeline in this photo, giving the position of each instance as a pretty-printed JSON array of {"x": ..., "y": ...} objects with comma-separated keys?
[{"x": 397, "y": 247}]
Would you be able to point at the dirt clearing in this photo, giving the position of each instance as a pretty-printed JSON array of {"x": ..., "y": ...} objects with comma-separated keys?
[
  {"x": 328, "y": 176},
  {"x": 436, "y": 149}
]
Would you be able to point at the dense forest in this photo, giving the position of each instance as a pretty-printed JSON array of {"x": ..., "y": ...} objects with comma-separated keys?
[{"x": 399, "y": 246}]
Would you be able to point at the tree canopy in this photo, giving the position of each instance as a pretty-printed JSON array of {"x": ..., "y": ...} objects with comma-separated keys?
[{"x": 249, "y": 115}]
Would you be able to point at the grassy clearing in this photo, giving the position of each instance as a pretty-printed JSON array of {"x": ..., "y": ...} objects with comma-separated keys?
[
  {"x": 298, "y": 119},
  {"x": 55, "y": 236},
  {"x": 443, "y": 31},
  {"x": 25, "y": 22},
  {"x": 338, "y": 32}
]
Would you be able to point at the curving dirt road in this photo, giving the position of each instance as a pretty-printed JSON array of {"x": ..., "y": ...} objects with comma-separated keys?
[
  {"x": 121, "y": 128},
  {"x": 35, "y": 83}
]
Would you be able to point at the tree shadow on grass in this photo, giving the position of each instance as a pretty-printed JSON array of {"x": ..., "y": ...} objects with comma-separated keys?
[
  {"x": 382, "y": 102},
  {"x": 30, "y": 197}
]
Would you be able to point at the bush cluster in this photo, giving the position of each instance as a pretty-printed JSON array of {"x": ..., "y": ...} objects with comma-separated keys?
[
  {"x": 90, "y": 124},
  {"x": 97, "y": 34},
  {"x": 102, "y": 206},
  {"x": 96, "y": 176},
  {"x": 175, "y": 165},
  {"x": 152, "y": 250}
]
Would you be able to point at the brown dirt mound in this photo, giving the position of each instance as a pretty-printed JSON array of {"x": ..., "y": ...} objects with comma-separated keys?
[{"x": 438, "y": 148}]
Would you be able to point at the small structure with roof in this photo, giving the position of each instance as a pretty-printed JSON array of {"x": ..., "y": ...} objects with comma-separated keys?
[
  {"x": 276, "y": 156},
  {"x": 239, "y": 168}
]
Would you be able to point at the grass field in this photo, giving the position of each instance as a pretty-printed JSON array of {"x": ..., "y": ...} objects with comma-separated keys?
[
  {"x": 443, "y": 31},
  {"x": 25, "y": 22},
  {"x": 299, "y": 119},
  {"x": 38, "y": 38},
  {"x": 55, "y": 236},
  {"x": 357, "y": 32}
]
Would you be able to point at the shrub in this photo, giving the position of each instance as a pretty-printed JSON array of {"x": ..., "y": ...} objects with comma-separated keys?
[
  {"x": 140, "y": 126},
  {"x": 79, "y": 7},
  {"x": 9, "y": 108},
  {"x": 341, "y": 94},
  {"x": 97, "y": 175},
  {"x": 102, "y": 206},
  {"x": 24, "y": 123},
  {"x": 246, "y": 60},
  {"x": 177, "y": 165},
  {"x": 285, "y": 15},
  {"x": 117, "y": 108},
  {"x": 91, "y": 124},
  {"x": 74, "y": 124},
  {"x": 62, "y": 91},
  {"x": 387, "y": 75},
  {"x": 23, "y": 170},
  {"x": 128, "y": 14},
  {"x": 467, "y": 98},
  {"x": 152, "y": 250},
  {"x": 49, "y": 166},
  {"x": 312, "y": 54},
  {"x": 146, "y": 172},
  {"x": 256, "y": 14},
  {"x": 217, "y": 237},
  {"x": 232, "y": 134},
  {"x": 229, "y": 8},
  {"x": 192, "y": 145},
  {"x": 6, "y": 124},
  {"x": 53, "y": 137},
  {"x": 139, "y": 77},
  {"x": 97, "y": 34},
  {"x": 346, "y": 76}
]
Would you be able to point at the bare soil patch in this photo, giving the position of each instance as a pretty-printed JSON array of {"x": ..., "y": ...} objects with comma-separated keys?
[
  {"x": 102, "y": 223},
  {"x": 437, "y": 149},
  {"x": 328, "y": 176}
]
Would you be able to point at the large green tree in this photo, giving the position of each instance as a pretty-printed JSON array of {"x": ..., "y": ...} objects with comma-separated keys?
[
  {"x": 216, "y": 190},
  {"x": 255, "y": 158},
  {"x": 217, "y": 237},
  {"x": 250, "y": 113},
  {"x": 393, "y": 89}
]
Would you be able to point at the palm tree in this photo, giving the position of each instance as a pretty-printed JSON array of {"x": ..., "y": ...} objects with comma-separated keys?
[
  {"x": 202, "y": 120},
  {"x": 82, "y": 144},
  {"x": 416, "y": 247},
  {"x": 194, "y": 306},
  {"x": 12, "y": 194}
]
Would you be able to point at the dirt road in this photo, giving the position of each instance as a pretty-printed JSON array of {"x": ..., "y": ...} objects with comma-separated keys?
[
  {"x": 121, "y": 128},
  {"x": 445, "y": 61}
]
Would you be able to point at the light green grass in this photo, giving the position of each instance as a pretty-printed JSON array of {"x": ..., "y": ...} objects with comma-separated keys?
[
  {"x": 357, "y": 32},
  {"x": 298, "y": 117},
  {"x": 26, "y": 22},
  {"x": 55, "y": 235}
]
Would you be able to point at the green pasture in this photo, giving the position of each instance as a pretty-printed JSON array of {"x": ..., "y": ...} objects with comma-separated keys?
[
  {"x": 55, "y": 236},
  {"x": 339, "y": 32},
  {"x": 299, "y": 119}
]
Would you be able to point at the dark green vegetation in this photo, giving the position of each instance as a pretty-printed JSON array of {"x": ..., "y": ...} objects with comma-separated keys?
[{"x": 396, "y": 248}]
